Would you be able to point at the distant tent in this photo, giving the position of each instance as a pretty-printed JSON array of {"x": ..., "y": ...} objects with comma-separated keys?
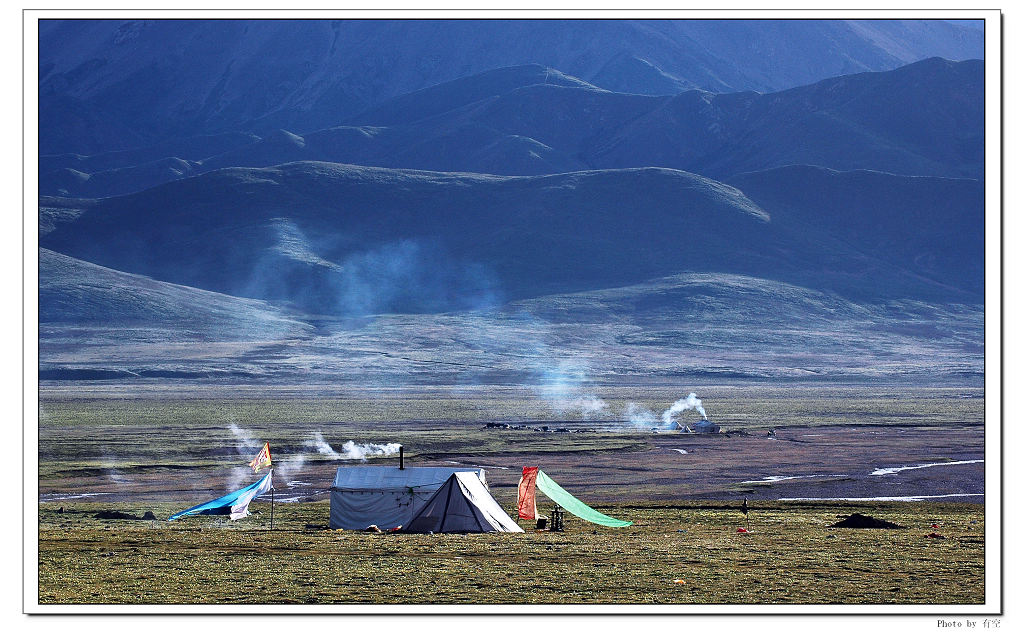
[
  {"x": 573, "y": 505},
  {"x": 462, "y": 504},
  {"x": 235, "y": 504},
  {"x": 704, "y": 426},
  {"x": 385, "y": 496}
]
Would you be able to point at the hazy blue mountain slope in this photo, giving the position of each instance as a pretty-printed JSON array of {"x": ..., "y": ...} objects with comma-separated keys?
[
  {"x": 55, "y": 211},
  {"x": 450, "y": 95},
  {"x": 349, "y": 239},
  {"x": 111, "y": 85},
  {"x": 189, "y": 148},
  {"x": 312, "y": 231},
  {"x": 72, "y": 291},
  {"x": 922, "y": 119},
  {"x": 934, "y": 227},
  {"x": 112, "y": 182}
]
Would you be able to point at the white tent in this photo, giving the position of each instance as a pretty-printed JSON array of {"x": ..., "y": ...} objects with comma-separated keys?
[
  {"x": 386, "y": 496},
  {"x": 462, "y": 504}
]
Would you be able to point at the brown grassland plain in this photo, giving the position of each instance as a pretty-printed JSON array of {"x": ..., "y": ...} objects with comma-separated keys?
[
  {"x": 163, "y": 453},
  {"x": 688, "y": 553}
]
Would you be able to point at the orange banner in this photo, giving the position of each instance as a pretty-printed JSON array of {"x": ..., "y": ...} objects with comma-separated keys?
[
  {"x": 528, "y": 493},
  {"x": 261, "y": 460}
]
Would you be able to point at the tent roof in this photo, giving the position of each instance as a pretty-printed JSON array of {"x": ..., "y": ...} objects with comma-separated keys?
[{"x": 392, "y": 478}]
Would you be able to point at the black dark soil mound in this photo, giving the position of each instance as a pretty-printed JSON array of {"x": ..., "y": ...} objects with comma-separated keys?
[
  {"x": 149, "y": 516},
  {"x": 856, "y": 520},
  {"x": 114, "y": 514}
]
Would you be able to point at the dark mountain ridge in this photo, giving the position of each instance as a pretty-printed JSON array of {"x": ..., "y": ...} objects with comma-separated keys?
[
  {"x": 924, "y": 119},
  {"x": 351, "y": 239},
  {"x": 114, "y": 84}
]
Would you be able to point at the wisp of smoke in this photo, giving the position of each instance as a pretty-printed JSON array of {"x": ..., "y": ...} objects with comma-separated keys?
[
  {"x": 244, "y": 441},
  {"x": 587, "y": 406},
  {"x": 683, "y": 404},
  {"x": 240, "y": 476},
  {"x": 320, "y": 444},
  {"x": 289, "y": 468},
  {"x": 638, "y": 415},
  {"x": 246, "y": 446},
  {"x": 561, "y": 386},
  {"x": 351, "y": 450}
]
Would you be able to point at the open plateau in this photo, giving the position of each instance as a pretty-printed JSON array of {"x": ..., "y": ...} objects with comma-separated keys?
[{"x": 721, "y": 280}]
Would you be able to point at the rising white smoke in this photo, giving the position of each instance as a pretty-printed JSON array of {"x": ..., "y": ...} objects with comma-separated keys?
[
  {"x": 244, "y": 441},
  {"x": 587, "y": 405},
  {"x": 239, "y": 477},
  {"x": 683, "y": 404},
  {"x": 111, "y": 471},
  {"x": 563, "y": 385},
  {"x": 246, "y": 446},
  {"x": 289, "y": 468},
  {"x": 351, "y": 450},
  {"x": 638, "y": 415}
]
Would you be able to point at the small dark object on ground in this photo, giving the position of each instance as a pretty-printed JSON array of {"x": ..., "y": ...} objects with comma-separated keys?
[
  {"x": 935, "y": 535},
  {"x": 114, "y": 514},
  {"x": 149, "y": 516},
  {"x": 60, "y": 510},
  {"x": 857, "y": 520}
]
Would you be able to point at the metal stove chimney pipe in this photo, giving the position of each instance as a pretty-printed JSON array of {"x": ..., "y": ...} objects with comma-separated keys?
[{"x": 401, "y": 458}]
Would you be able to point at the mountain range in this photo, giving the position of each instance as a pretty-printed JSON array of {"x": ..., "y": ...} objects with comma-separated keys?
[
  {"x": 115, "y": 84},
  {"x": 527, "y": 121},
  {"x": 636, "y": 195}
]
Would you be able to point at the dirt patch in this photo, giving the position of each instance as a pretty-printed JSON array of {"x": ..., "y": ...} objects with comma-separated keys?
[
  {"x": 863, "y": 521},
  {"x": 114, "y": 514}
]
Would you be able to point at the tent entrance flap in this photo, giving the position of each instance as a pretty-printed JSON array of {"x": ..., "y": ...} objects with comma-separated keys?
[{"x": 573, "y": 505}]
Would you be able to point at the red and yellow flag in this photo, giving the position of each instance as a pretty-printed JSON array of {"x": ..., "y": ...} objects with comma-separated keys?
[
  {"x": 528, "y": 493},
  {"x": 261, "y": 460}
]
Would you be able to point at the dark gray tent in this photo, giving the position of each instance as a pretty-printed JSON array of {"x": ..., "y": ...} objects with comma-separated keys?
[
  {"x": 462, "y": 504},
  {"x": 385, "y": 496}
]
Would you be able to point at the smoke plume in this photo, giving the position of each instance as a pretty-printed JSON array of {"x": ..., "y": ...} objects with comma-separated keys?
[
  {"x": 683, "y": 404},
  {"x": 638, "y": 415},
  {"x": 563, "y": 387},
  {"x": 244, "y": 441},
  {"x": 351, "y": 450},
  {"x": 288, "y": 468},
  {"x": 246, "y": 446}
]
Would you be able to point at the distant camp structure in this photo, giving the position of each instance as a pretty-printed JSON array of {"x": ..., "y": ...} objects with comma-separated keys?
[{"x": 701, "y": 426}]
